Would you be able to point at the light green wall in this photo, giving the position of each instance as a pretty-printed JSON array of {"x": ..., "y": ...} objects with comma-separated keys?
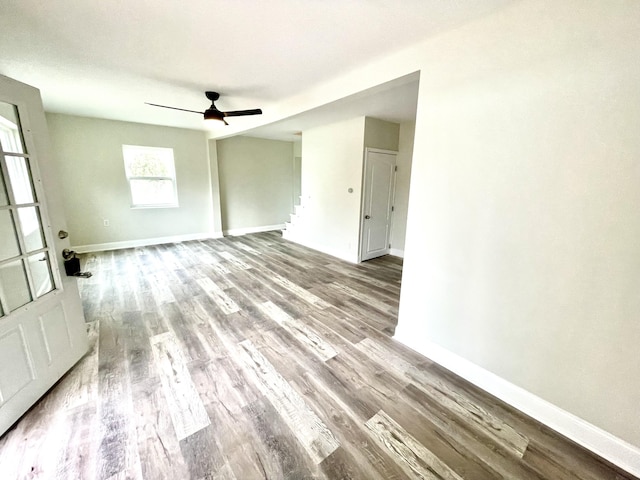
[
  {"x": 522, "y": 237},
  {"x": 403, "y": 177},
  {"x": 381, "y": 134},
  {"x": 215, "y": 188},
  {"x": 256, "y": 182},
  {"x": 88, "y": 156},
  {"x": 297, "y": 172},
  {"x": 297, "y": 180}
]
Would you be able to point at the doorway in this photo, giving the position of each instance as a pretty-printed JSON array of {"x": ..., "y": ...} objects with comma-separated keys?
[{"x": 377, "y": 203}]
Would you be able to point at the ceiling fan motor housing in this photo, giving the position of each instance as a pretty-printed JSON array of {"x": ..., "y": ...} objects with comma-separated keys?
[{"x": 213, "y": 114}]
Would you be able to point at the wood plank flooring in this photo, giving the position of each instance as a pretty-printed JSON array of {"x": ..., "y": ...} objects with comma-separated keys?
[{"x": 255, "y": 358}]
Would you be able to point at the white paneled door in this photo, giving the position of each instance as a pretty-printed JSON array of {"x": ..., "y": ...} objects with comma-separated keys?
[
  {"x": 42, "y": 329},
  {"x": 377, "y": 203}
]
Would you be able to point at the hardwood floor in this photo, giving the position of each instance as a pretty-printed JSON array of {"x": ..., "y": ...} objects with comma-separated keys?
[{"x": 255, "y": 358}]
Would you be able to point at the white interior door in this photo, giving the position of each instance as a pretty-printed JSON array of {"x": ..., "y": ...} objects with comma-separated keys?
[
  {"x": 42, "y": 330},
  {"x": 377, "y": 205}
]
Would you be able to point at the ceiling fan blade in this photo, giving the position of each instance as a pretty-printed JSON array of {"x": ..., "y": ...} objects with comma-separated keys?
[
  {"x": 241, "y": 113},
  {"x": 173, "y": 108},
  {"x": 212, "y": 113}
]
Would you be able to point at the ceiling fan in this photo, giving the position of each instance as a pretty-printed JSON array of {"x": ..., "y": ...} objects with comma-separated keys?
[{"x": 212, "y": 113}]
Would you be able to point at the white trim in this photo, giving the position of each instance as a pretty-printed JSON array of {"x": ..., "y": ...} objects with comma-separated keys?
[
  {"x": 101, "y": 247},
  {"x": 322, "y": 249},
  {"x": 380, "y": 150},
  {"x": 244, "y": 231},
  {"x": 396, "y": 252},
  {"x": 600, "y": 442}
]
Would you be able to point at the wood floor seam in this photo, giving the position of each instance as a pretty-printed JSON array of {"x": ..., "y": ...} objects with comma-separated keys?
[{"x": 253, "y": 358}]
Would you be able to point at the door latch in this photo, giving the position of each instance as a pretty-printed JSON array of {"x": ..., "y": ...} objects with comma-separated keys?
[{"x": 72, "y": 264}]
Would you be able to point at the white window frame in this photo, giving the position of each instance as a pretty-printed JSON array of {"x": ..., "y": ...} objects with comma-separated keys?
[{"x": 161, "y": 152}]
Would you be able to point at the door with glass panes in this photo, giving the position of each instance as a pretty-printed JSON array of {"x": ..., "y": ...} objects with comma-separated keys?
[{"x": 42, "y": 330}]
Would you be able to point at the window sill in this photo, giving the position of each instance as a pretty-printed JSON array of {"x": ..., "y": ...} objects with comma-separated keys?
[{"x": 145, "y": 207}]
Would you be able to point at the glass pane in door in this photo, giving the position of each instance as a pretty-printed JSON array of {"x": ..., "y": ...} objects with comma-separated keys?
[
  {"x": 41, "y": 273},
  {"x": 31, "y": 228},
  {"x": 8, "y": 240},
  {"x": 26, "y": 265},
  {"x": 15, "y": 284},
  {"x": 4, "y": 198},
  {"x": 20, "y": 180},
  {"x": 11, "y": 138}
]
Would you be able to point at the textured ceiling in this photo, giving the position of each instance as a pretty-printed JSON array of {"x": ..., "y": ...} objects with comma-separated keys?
[{"x": 106, "y": 58}]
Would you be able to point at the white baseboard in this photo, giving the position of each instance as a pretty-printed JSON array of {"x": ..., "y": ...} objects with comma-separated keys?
[
  {"x": 321, "y": 248},
  {"x": 244, "y": 231},
  {"x": 396, "y": 252},
  {"x": 101, "y": 247},
  {"x": 602, "y": 443}
]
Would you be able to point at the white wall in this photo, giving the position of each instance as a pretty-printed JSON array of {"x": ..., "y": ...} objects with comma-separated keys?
[
  {"x": 332, "y": 157},
  {"x": 520, "y": 254},
  {"x": 403, "y": 177},
  {"x": 522, "y": 241},
  {"x": 256, "y": 183},
  {"x": 88, "y": 155}
]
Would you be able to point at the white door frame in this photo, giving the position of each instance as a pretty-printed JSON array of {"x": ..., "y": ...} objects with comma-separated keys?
[{"x": 363, "y": 206}]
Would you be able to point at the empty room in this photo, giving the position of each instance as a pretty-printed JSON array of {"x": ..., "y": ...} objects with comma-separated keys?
[{"x": 320, "y": 240}]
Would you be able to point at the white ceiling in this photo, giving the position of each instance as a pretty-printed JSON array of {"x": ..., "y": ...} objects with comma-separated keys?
[
  {"x": 394, "y": 101},
  {"x": 106, "y": 58}
]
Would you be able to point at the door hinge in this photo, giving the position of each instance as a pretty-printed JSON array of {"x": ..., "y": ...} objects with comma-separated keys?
[
  {"x": 395, "y": 169},
  {"x": 389, "y": 245},
  {"x": 392, "y": 208}
]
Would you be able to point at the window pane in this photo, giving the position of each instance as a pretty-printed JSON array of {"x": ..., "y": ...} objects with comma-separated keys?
[
  {"x": 41, "y": 273},
  {"x": 152, "y": 192},
  {"x": 31, "y": 228},
  {"x": 9, "y": 246},
  {"x": 148, "y": 161},
  {"x": 151, "y": 174},
  {"x": 148, "y": 166},
  {"x": 10, "y": 131},
  {"x": 14, "y": 284},
  {"x": 4, "y": 198},
  {"x": 20, "y": 179}
]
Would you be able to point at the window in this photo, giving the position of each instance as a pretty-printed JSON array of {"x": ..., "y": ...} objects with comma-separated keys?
[{"x": 152, "y": 176}]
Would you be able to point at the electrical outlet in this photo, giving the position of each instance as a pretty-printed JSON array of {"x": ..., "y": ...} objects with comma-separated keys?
[{"x": 105, "y": 222}]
